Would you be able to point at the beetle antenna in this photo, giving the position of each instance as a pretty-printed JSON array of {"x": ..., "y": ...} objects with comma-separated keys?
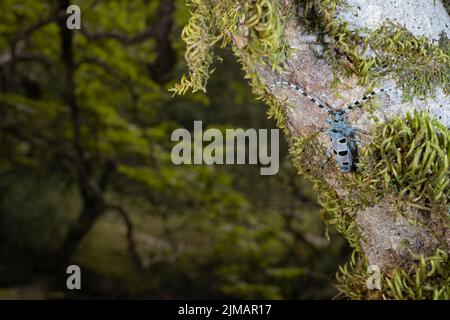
[
  {"x": 365, "y": 98},
  {"x": 319, "y": 103}
]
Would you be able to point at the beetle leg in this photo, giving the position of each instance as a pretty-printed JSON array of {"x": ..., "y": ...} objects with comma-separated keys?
[
  {"x": 327, "y": 155},
  {"x": 360, "y": 131}
]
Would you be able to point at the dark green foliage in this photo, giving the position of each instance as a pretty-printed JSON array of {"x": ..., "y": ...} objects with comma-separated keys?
[{"x": 200, "y": 231}]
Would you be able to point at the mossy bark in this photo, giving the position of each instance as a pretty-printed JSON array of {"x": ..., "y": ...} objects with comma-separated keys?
[
  {"x": 337, "y": 51},
  {"x": 380, "y": 227}
]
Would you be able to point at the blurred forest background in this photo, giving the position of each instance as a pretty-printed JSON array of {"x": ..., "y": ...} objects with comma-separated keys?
[{"x": 86, "y": 176}]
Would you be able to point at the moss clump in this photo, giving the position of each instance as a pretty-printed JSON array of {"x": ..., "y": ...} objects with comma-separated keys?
[
  {"x": 418, "y": 65},
  {"x": 265, "y": 22},
  {"x": 200, "y": 40},
  {"x": 217, "y": 22},
  {"x": 307, "y": 153},
  {"x": 427, "y": 278},
  {"x": 409, "y": 157},
  {"x": 352, "y": 279}
]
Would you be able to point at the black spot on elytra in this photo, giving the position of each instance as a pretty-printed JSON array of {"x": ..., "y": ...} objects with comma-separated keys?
[
  {"x": 334, "y": 151},
  {"x": 343, "y": 153},
  {"x": 345, "y": 163},
  {"x": 343, "y": 140}
]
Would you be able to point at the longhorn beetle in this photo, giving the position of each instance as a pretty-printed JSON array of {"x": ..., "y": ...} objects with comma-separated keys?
[{"x": 341, "y": 133}]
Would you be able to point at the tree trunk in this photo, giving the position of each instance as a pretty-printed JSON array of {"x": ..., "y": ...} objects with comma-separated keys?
[
  {"x": 393, "y": 206},
  {"x": 382, "y": 231},
  {"x": 93, "y": 205},
  {"x": 82, "y": 226}
]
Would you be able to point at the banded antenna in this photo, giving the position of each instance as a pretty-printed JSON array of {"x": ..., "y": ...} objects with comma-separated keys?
[
  {"x": 364, "y": 99},
  {"x": 317, "y": 101}
]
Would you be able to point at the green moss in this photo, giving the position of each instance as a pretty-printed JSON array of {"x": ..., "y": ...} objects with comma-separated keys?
[
  {"x": 200, "y": 39},
  {"x": 277, "y": 109},
  {"x": 352, "y": 279},
  {"x": 216, "y": 22},
  {"x": 265, "y": 22},
  {"x": 426, "y": 278},
  {"x": 277, "y": 112},
  {"x": 409, "y": 157},
  {"x": 306, "y": 153},
  {"x": 418, "y": 65}
]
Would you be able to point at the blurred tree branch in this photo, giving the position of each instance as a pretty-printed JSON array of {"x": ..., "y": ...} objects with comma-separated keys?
[
  {"x": 166, "y": 58},
  {"x": 130, "y": 237},
  {"x": 92, "y": 191}
]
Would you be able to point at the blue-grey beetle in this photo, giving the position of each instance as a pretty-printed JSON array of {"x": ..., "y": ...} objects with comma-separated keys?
[{"x": 340, "y": 132}]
